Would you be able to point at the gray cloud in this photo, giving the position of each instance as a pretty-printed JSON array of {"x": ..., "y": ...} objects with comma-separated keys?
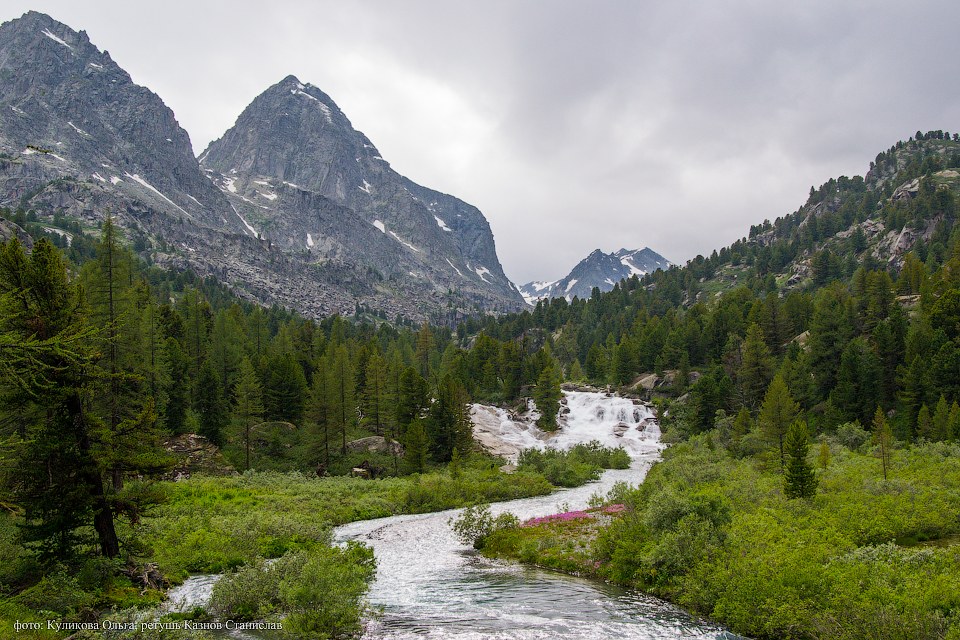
[{"x": 572, "y": 125}]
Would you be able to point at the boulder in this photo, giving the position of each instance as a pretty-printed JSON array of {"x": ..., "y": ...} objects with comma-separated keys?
[{"x": 376, "y": 444}]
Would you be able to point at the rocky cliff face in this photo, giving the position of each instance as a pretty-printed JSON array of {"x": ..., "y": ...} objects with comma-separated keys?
[
  {"x": 305, "y": 180},
  {"x": 599, "y": 269},
  {"x": 69, "y": 113},
  {"x": 272, "y": 214}
]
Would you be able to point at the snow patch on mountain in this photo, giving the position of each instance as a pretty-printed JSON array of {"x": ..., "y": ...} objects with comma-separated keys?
[{"x": 598, "y": 270}]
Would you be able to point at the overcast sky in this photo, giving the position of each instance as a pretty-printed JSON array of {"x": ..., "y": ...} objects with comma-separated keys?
[{"x": 571, "y": 125}]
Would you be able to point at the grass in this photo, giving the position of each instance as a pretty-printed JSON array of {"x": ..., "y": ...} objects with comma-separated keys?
[
  {"x": 213, "y": 524},
  {"x": 217, "y": 524}
]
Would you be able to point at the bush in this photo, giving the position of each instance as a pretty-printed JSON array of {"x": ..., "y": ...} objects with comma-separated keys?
[
  {"x": 852, "y": 435},
  {"x": 317, "y": 592},
  {"x": 475, "y": 524},
  {"x": 575, "y": 467}
]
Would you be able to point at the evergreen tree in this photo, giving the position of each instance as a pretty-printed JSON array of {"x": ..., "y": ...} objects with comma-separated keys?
[
  {"x": 425, "y": 344},
  {"x": 415, "y": 455},
  {"x": 953, "y": 424},
  {"x": 741, "y": 424},
  {"x": 342, "y": 395},
  {"x": 941, "y": 421},
  {"x": 248, "y": 404},
  {"x": 823, "y": 456},
  {"x": 414, "y": 397},
  {"x": 777, "y": 413},
  {"x": 119, "y": 395},
  {"x": 924, "y": 424},
  {"x": 546, "y": 395},
  {"x": 830, "y": 331},
  {"x": 800, "y": 480},
  {"x": 211, "y": 407},
  {"x": 376, "y": 401},
  {"x": 176, "y": 390},
  {"x": 318, "y": 415},
  {"x": 60, "y": 480},
  {"x": 284, "y": 388},
  {"x": 448, "y": 424},
  {"x": 756, "y": 368},
  {"x": 226, "y": 350}
]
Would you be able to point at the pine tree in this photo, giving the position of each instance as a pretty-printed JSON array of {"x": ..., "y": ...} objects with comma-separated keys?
[
  {"x": 778, "y": 412},
  {"x": 248, "y": 404},
  {"x": 823, "y": 456},
  {"x": 953, "y": 424},
  {"x": 448, "y": 424},
  {"x": 413, "y": 397},
  {"x": 741, "y": 424},
  {"x": 119, "y": 394},
  {"x": 318, "y": 414},
  {"x": 425, "y": 344},
  {"x": 176, "y": 389},
  {"x": 226, "y": 349},
  {"x": 800, "y": 480}
]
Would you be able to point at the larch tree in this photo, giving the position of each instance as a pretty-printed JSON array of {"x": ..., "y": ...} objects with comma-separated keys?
[
  {"x": 248, "y": 404},
  {"x": 59, "y": 471},
  {"x": 546, "y": 395},
  {"x": 341, "y": 391},
  {"x": 777, "y": 413},
  {"x": 883, "y": 439},
  {"x": 756, "y": 368},
  {"x": 800, "y": 480}
]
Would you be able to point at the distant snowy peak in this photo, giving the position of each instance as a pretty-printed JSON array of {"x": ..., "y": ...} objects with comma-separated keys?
[
  {"x": 643, "y": 261},
  {"x": 600, "y": 270}
]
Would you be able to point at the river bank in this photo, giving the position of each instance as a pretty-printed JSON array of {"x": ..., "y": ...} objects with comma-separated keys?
[{"x": 715, "y": 534}]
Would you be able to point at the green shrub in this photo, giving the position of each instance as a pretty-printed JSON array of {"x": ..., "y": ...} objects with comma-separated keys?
[
  {"x": 574, "y": 467},
  {"x": 317, "y": 592}
]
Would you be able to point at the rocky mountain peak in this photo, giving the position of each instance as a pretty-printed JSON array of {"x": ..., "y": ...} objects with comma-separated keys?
[
  {"x": 598, "y": 270},
  {"x": 291, "y": 206},
  {"x": 306, "y": 180}
]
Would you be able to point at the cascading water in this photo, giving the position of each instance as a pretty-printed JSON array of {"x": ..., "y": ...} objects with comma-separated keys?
[{"x": 429, "y": 585}]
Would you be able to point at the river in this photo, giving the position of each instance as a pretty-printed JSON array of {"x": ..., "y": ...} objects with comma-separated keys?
[{"x": 429, "y": 585}]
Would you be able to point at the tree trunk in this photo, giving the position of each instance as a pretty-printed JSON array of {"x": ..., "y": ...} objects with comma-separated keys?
[{"x": 90, "y": 475}]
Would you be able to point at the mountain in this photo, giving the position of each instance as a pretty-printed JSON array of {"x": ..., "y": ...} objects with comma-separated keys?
[
  {"x": 78, "y": 138},
  {"x": 77, "y": 135},
  {"x": 599, "y": 269},
  {"x": 306, "y": 181}
]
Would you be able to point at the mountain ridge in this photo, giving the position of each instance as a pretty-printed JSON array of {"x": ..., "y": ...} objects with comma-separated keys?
[
  {"x": 79, "y": 138},
  {"x": 598, "y": 270}
]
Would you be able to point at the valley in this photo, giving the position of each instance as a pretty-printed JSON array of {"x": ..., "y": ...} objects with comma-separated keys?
[{"x": 281, "y": 384}]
